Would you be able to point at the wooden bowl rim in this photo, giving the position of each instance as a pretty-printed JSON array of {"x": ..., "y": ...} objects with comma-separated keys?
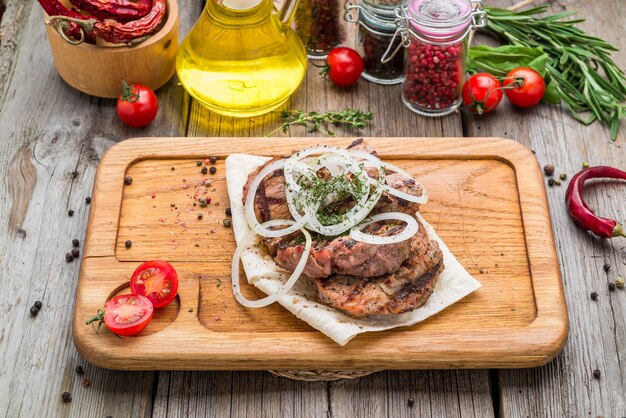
[{"x": 172, "y": 18}]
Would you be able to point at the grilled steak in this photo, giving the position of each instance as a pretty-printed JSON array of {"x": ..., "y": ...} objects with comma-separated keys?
[{"x": 405, "y": 289}]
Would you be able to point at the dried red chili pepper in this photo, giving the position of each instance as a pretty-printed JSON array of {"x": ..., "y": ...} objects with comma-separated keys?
[
  {"x": 130, "y": 32},
  {"x": 581, "y": 213},
  {"x": 70, "y": 31},
  {"x": 120, "y": 10}
]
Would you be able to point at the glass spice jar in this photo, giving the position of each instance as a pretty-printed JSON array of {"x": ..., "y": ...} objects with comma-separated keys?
[
  {"x": 376, "y": 29},
  {"x": 434, "y": 33},
  {"x": 318, "y": 23}
]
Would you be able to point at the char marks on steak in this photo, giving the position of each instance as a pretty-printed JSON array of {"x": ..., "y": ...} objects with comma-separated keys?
[{"x": 405, "y": 289}]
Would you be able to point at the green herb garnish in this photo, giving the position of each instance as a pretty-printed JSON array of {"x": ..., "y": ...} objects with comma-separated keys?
[{"x": 318, "y": 122}]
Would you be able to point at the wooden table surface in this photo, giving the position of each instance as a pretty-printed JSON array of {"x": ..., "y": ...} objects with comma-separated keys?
[{"x": 49, "y": 131}]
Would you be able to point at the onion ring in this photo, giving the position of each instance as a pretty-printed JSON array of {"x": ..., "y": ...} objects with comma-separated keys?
[{"x": 410, "y": 230}]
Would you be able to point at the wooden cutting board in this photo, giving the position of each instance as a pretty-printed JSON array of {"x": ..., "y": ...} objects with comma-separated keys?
[{"x": 487, "y": 202}]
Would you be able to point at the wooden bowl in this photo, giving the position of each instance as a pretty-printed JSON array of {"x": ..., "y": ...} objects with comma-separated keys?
[{"x": 99, "y": 70}]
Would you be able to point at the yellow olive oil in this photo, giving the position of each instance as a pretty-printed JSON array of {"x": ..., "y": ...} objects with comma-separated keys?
[{"x": 241, "y": 62}]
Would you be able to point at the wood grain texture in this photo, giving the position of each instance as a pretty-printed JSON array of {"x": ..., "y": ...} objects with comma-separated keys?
[
  {"x": 516, "y": 320},
  {"x": 598, "y": 329}
]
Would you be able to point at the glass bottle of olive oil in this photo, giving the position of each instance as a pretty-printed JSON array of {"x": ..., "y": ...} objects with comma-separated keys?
[{"x": 242, "y": 58}]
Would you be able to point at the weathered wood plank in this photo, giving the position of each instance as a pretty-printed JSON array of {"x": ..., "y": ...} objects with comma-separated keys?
[
  {"x": 597, "y": 339},
  {"x": 48, "y": 131}
]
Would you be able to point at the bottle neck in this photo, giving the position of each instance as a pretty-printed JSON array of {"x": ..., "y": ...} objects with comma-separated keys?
[{"x": 236, "y": 13}]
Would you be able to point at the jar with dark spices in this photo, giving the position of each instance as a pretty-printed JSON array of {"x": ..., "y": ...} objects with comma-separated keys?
[
  {"x": 376, "y": 31},
  {"x": 434, "y": 33},
  {"x": 319, "y": 25}
]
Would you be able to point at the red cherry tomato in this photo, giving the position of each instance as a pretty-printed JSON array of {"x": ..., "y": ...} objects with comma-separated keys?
[
  {"x": 482, "y": 93},
  {"x": 156, "y": 280},
  {"x": 524, "y": 87},
  {"x": 127, "y": 314},
  {"x": 137, "y": 106},
  {"x": 343, "y": 66}
]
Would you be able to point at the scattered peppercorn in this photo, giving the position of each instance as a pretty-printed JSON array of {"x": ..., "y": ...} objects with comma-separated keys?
[
  {"x": 597, "y": 373},
  {"x": 75, "y": 242},
  {"x": 213, "y": 170},
  {"x": 212, "y": 159},
  {"x": 411, "y": 402},
  {"x": 70, "y": 212},
  {"x": 75, "y": 252},
  {"x": 228, "y": 212},
  {"x": 128, "y": 180},
  {"x": 69, "y": 257},
  {"x": 204, "y": 170},
  {"x": 198, "y": 163},
  {"x": 611, "y": 286},
  {"x": 207, "y": 182},
  {"x": 594, "y": 296},
  {"x": 202, "y": 201},
  {"x": 563, "y": 176},
  {"x": 557, "y": 182},
  {"x": 226, "y": 223},
  {"x": 619, "y": 282},
  {"x": 86, "y": 383},
  {"x": 199, "y": 216},
  {"x": 34, "y": 310},
  {"x": 88, "y": 200},
  {"x": 79, "y": 369},
  {"x": 194, "y": 203},
  {"x": 66, "y": 397},
  {"x": 38, "y": 304},
  {"x": 551, "y": 182},
  {"x": 548, "y": 169},
  {"x": 128, "y": 243},
  {"x": 173, "y": 168},
  {"x": 606, "y": 267}
]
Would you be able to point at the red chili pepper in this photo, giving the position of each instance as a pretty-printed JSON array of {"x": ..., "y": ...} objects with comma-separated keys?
[
  {"x": 120, "y": 10},
  {"x": 581, "y": 213},
  {"x": 70, "y": 31}
]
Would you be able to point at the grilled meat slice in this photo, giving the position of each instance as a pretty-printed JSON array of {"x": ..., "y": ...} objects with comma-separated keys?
[
  {"x": 269, "y": 201},
  {"x": 403, "y": 290},
  {"x": 344, "y": 255}
]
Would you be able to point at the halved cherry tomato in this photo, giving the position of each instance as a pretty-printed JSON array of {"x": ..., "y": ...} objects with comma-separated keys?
[
  {"x": 127, "y": 314},
  {"x": 524, "y": 87},
  {"x": 157, "y": 280}
]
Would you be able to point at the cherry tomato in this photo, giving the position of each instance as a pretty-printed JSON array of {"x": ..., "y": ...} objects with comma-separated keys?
[
  {"x": 482, "y": 93},
  {"x": 524, "y": 87},
  {"x": 127, "y": 314},
  {"x": 156, "y": 280},
  {"x": 137, "y": 106},
  {"x": 343, "y": 66}
]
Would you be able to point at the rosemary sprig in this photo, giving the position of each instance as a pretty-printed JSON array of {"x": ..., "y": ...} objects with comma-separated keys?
[
  {"x": 589, "y": 82},
  {"x": 319, "y": 122}
]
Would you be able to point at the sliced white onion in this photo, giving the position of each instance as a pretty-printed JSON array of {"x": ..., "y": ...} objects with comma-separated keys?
[
  {"x": 249, "y": 208},
  {"x": 284, "y": 288},
  {"x": 409, "y": 231}
]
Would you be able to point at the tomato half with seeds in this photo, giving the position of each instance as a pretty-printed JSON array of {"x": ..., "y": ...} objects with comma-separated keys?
[
  {"x": 157, "y": 280},
  {"x": 127, "y": 314}
]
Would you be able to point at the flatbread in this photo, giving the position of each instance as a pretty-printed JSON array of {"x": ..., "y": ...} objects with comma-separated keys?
[{"x": 454, "y": 282}]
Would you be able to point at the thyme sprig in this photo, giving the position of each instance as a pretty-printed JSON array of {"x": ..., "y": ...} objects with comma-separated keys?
[
  {"x": 589, "y": 82},
  {"x": 319, "y": 122}
]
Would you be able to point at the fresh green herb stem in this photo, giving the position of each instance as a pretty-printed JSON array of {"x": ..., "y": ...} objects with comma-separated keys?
[{"x": 318, "y": 122}]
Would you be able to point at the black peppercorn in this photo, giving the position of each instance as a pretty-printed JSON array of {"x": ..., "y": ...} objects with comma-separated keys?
[
  {"x": 202, "y": 201},
  {"x": 228, "y": 212},
  {"x": 88, "y": 200},
  {"x": 128, "y": 180},
  {"x": 75, "y": 242},
  {"x": 607, "y": 267},
  {"x": 226, "y": 223},
  {"x": 70, "y": 212},
  {"x": 551, "y": 182},
  {"x": 79, "y": 369},
  {"x": 199, "y": 216},
  {"x": 34, "y": 310},
  {"x": 548, "y": 169},
  {"x": 128, "y": 243},
  {"x": 198, "y": 163},
  {"x": 594, "y": 296},
  {"x": 38, "y": 304},
  {"x": 563, "y": 176},
  {"x": 66, "y": 397},
  {"x": 411, "y": 402},
  {"x": 597, "y": 373},
  {"x": 213, "y": 159},
  {"x": 204, "y": 170},
  {"x": 75, "y": 252},
  {"x": 173, "y": 168},
  {"x": 611, "y": 286},
  {"x": 69, "y": 257},
  {"x": 213, "y": 170}
]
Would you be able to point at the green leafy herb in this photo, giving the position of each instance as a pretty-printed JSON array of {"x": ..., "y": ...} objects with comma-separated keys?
[
  {"x": 579, "y": 66},
  {"x": 318, "y": 122}
]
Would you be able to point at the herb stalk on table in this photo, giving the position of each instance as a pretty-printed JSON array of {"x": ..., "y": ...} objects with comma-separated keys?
[{"x": 318, "y": 122}]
